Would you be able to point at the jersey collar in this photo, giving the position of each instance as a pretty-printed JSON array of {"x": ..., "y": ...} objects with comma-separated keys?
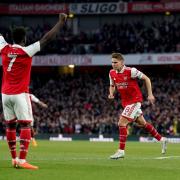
[
  {"x": 122, "y": 70},
  {"x": 17, "y": 45}
]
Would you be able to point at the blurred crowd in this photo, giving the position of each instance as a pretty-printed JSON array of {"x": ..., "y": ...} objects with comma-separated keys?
[
  {"x": 127, "y": 37},
  {"x": 79, "y": 104}
]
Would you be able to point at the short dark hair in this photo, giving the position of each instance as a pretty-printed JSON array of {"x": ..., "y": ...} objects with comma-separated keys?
[
  {"x": 118, "y": 56},
  {"x": 18, "y": 34}
]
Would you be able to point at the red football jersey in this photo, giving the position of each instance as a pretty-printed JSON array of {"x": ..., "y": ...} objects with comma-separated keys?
[
  {"x": 16, "y": 63},
  {"x": 127, "y": 85}
]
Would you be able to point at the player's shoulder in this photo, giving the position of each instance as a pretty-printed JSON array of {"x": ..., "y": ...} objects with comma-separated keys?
[
  {"x": 17, "y": 49},
  {"x": 20, "y": 50},
  {"x": 7, "y": 46},
  {"x": 112, "y": 71},
  {"x": 128, "y": 68},
  {"x": 32, "y": 49}
]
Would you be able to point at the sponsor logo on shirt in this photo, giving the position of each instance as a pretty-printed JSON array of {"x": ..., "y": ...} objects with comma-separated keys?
[
  {"x": 122, "y": 85},
  {"x": 125, "y": 78}
]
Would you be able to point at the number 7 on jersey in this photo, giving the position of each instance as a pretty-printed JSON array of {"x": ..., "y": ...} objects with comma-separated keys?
[{"x": 11, "y": 63}]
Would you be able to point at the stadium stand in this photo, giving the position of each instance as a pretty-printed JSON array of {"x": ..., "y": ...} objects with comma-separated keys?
[
  {"x": 156, "y": 37},
  {"x": 78, "y": 103}
]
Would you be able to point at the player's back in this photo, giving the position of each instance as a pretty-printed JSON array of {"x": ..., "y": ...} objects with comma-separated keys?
[{"x": 16, "y": 69}]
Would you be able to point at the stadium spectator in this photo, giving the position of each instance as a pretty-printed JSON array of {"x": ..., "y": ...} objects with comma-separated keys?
[
  {"x": 137, "y": 37},
  {"x": 33, "y": 128}
]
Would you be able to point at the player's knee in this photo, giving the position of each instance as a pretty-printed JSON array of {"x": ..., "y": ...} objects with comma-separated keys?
[
  {"x": 25, "y": 125},
  {"x": 141, "y": 121},
  {"x": 123, "y": 121},
  {"x": 142, "y": 124},
  {"x": 11, "y": 125},
  {"x": 32, "y": 132}
]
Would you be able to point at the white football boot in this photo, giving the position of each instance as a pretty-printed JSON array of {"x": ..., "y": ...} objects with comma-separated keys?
[
  {"x": 164, "y": 145},
  {"x": 119, "y": 154}
]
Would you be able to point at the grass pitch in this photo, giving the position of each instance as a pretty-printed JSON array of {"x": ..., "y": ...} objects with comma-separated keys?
[{"x": 83, "y": 160}]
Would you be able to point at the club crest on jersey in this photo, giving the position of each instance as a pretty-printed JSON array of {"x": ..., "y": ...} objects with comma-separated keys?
[{"x": 125, "y": 78}]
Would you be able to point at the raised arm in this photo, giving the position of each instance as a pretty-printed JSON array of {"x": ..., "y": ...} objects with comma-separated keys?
[
  {"x": 53, "y": 32},
  {"x": 3, "y": 43}
]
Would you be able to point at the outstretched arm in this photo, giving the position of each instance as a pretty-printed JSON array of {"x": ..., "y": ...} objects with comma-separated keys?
[
  {"x": 36, "y": 100},
  {"x": 3, "y": 43},
  {"x": 42, "y": 104},
  {"x": 151, "y": 98},
  {"x": 53, "y": 32}
]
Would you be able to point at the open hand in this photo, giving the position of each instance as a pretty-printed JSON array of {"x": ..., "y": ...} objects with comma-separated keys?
[
  {"x": 151, "y": 99},
  {"x": 110, "y": 96}
]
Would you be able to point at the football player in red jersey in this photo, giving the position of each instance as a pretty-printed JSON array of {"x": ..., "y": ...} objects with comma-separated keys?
[
  {"x": 16, "y": 64},
  {"x": 124, "y": 79},
  {"x": 33, "y": 131}
]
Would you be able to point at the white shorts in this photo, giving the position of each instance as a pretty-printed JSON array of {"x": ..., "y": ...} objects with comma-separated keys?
[
  {"x": 17, "y": 107},
  {"x": 132, "y": 111}
]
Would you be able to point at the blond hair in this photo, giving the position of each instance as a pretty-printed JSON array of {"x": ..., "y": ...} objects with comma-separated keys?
[{"x": 118, "y": 56}]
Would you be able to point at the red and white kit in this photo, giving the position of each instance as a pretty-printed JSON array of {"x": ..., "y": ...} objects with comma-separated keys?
[
  {"x": 127, "y": 85},
  {"x": 16, "y": 62}
]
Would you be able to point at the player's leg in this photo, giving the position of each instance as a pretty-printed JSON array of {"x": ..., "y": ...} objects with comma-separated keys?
[
  {"x": 148, "y": 127},
  {"x": 25, "y": 138},
  {"x": 151, "y": 129},
  {"x": 128, "y": 115},
  {"x": 11, "y": 139},
  {"x": 10, "y": 119},
  {"x": 123, "y": 122},
  {"x": 33, "y": 140},
  {"x": 34, "y": 143},
  {"x": 23, "y": 111}
]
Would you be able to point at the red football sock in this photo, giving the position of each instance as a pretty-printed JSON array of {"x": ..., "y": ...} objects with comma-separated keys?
[
  {"x": 11, "y": 139},
  {"x": 150, "y": 128},
  {"x": 122, "y": 137},
  {"x": 25, "y": 137}
]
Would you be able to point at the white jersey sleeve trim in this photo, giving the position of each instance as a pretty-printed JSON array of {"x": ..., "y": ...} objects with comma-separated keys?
[
  {"x": 32, "y": 49},
  {"x": 3, "y": 43},
  {"x": 34, "y": 98},
  {"x": 136, "y": 73},
  {"x": 111, "y": 81}
]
